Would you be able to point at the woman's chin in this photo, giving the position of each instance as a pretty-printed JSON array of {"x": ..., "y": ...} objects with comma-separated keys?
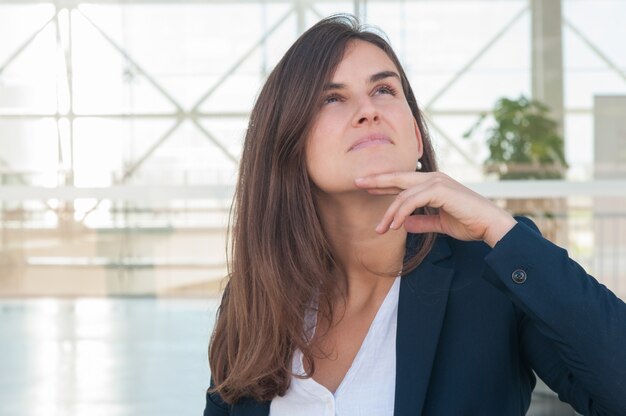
[{"x": 381, "y": 169}]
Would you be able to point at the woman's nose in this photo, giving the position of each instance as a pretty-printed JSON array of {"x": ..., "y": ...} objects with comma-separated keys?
[{"x": 366, "y": 113}]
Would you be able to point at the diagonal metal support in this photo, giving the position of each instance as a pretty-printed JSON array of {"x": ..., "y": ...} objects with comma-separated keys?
[
  {"x": 505, "y": 28},
  {"x": 180, "y": 111},
  {"x": 213, "y": 140},
  {"x": 452, "y": 143},
  {"x": 25, "y": 44},
  {"x": 67, "y": 55},
  {"x": 138, "y": 67},
  {"x": 316, "y": 12},
  {"x": 241, "y": 60},
  {"x": 301, "y": 6},
  {"x": 133, "y": 168},
  {"x": 17, "y": 53},
  {"x": 66, "y": 50},
  {"x": 595, "y": 49}
]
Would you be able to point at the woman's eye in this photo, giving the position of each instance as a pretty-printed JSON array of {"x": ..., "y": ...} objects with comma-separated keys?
[
  {"x": 331, "y": 99},
  {"x": 385, "y": 89}
]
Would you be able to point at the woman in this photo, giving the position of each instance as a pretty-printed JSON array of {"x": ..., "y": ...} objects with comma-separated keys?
[{"x": 338, "y": 195}]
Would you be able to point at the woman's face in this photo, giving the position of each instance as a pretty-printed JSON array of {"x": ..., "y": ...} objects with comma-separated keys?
[{"x": 364, "y": 125}]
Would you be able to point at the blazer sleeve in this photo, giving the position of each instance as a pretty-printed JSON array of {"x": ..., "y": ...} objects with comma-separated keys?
[{"x": 573, "y": 329}]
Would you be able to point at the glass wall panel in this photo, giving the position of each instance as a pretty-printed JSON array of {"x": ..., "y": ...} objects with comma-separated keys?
[{"x": 121, "y": 128}]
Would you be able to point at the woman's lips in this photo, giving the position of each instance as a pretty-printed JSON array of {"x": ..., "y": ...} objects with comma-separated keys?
[{"x": 370, "y": 141}]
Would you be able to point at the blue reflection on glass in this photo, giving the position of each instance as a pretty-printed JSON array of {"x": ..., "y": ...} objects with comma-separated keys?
[{"x": 103, "y": 356}]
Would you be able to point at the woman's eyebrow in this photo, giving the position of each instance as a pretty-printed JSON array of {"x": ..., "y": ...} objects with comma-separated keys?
[
  {"x": 374, "y": 78},
  {"x": 382, "y": 75}
]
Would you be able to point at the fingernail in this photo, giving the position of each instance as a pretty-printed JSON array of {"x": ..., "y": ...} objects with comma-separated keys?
[
  {"x": 359, "y": 180},
  {"x": 393, "y": 224}
]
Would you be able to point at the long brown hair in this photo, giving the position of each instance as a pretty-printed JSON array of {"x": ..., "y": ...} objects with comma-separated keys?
[{"x": 280, "y": 259}]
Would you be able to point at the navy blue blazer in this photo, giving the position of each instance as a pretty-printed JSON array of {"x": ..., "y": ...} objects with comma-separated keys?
[{"x": 473, "y": 322}]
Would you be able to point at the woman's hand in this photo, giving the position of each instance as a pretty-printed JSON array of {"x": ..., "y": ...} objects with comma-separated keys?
[{"x": 463, "y": 214}]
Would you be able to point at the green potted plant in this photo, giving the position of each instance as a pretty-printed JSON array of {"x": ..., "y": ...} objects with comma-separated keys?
[{"x": 525, "y": 143}]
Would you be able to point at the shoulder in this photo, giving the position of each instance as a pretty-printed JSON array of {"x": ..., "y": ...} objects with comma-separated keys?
[{"x": 215, "y": 405}]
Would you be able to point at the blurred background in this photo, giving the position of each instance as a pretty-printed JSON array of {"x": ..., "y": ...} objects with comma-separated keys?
[{"x": 121, "y": 125}]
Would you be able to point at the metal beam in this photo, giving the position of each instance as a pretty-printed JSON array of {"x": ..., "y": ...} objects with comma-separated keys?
[
  {"x": 604, "y": 57},
  {"x": 240, "y": 61},
  {"x": 150, "y": 193},
  {"x": 468, "y": 158},
  {"x": 138, "y": 67},
  {"x": 216, "y": 142},
  {"x": 66, "y": 49},
  {"x": 76, "y": 3},
  {"x": 547, "y": 56},
  {"x": 244, "y": 115},
  {"x": 141, "y": 160},
  {"x": 134, "y": 193},
  {"x": 360, "y": 9},
  {"x": 133, "y": 168},
  {"x": 301, "y": 7},
  {"x": 505, "y": 28},
  {"x": 25, "y": 44}
]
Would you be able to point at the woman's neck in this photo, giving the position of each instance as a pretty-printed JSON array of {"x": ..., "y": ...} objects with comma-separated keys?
[{"x": 364, "y": 256}]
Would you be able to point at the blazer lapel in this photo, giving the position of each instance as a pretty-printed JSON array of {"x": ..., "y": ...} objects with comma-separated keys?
[{"x": 421, "y": 310}]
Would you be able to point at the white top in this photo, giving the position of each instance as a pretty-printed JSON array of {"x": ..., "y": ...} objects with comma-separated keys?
[{"x": 368, "y": 387}]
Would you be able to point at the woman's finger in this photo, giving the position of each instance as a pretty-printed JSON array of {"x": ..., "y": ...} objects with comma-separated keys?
[
  {"x": 406, "y": 202},
  {"x": 428, "y": 196},
  {"x": 385, "y": 222},
  {"x": 384, "y": 191},
  {"x": 419, "y": 224}
]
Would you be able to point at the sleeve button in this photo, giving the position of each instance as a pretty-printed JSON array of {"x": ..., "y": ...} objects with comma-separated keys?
[{"x": 519, "y": 276}]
